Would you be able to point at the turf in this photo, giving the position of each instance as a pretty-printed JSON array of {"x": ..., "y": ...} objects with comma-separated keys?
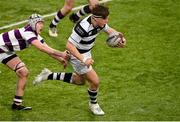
[{"x": 139, "y": 82}]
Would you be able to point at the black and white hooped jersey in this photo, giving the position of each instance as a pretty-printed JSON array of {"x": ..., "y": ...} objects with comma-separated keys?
[
  {"x": 84, "y": 35},
  {"x": 18, "y": 39}
]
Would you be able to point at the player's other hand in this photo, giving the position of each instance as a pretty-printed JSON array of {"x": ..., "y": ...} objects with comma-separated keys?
[
  {"x": 89, "y": 61},
  {"x": 64, "y": 62},
  {"x": 66, "y": 55},
  {"x": 122, "y": 41}
]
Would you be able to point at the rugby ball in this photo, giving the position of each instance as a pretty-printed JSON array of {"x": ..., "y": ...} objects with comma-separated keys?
[{"x": 113, "y": 40}]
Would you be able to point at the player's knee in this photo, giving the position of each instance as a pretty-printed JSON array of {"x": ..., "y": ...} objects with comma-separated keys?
[
  {"x": 93, "y": 5},
  {"x": 95, "y": 83},
  {"x": 81, "y": 81},
  {"x": 21, "y": 70},
  {"x": 78, "y": 79},
  {"x": 68, "y": 7}
]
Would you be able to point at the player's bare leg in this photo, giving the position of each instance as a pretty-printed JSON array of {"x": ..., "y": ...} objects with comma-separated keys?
[
  {"x": 93, "y": 3},
  {"x": 78, "y": 79},
  {"x": 75, "y": 17},
  {"x": 93, "y": 80},
  {"x": 22, "y": 72},
  {"x": 68, "y": 5}
]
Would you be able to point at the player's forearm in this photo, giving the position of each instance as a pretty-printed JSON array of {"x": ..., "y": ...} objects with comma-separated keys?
[
  {"x": 72, "y": 49},
  {"x": 42, "y": 47},
  {"x": 58, "y": 58},
  {"x": 46, "y": 49},
  {"x": 50, "y": 51},
  {"x": 55, "y": 54}
]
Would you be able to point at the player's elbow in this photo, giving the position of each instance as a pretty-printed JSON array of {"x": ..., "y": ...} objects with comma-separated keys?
[{"x": 42, "y": 49}]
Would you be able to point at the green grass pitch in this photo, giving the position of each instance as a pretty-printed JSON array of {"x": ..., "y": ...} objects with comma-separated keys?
[{"x": 139, "y": 82}]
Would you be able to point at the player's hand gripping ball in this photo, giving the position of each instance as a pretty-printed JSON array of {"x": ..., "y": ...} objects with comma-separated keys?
[{"x": 116, "y": 40}]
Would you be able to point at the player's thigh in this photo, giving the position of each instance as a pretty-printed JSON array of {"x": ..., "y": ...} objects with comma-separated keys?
[
  {"x": 13, "y": 62},
  {"x": 9, "y": 59},
  {"x": 18, "y": 66}
]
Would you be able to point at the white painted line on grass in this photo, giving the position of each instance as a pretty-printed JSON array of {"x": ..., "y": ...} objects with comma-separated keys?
[{"x": 45, "y": 16}]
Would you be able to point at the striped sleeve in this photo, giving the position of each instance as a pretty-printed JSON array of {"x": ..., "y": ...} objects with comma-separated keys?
[{"x": 29, "y": 37}]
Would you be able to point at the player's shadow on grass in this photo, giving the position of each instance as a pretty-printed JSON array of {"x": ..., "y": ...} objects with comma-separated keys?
[
  {"x": 13, "y": 115},
  {"x": 16, "y": 115}
]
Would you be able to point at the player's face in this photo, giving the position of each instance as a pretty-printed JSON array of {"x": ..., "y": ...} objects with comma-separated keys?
[
  {"x": 101, "y": 22},
  {"x": 39, "y": 27}
]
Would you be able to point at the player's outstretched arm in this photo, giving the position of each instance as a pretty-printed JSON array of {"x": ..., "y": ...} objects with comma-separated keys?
[{"x": 58, "y": 55}]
